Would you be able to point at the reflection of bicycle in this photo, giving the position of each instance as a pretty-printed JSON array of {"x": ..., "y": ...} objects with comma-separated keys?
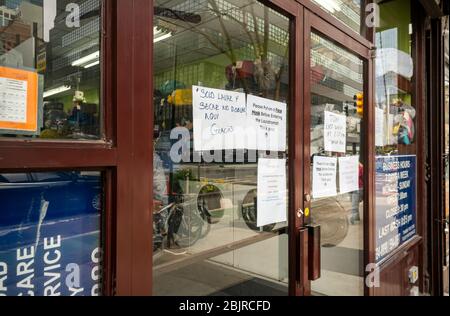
[
  {"x": 249, "y": 213},
  {"x": 177, "y": 225}
]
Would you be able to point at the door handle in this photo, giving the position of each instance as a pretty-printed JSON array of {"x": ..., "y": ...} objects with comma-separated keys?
[
  {"x": 302, "y": 255},
  {"x": 314, "y": 252}
]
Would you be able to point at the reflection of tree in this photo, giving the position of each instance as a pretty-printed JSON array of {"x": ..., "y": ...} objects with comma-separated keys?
[{"x": 265, "y": 73}]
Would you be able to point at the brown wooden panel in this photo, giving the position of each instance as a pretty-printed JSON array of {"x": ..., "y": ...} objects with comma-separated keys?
[
  {"x": 142, "y": 127},
  {"x": 296, "y": 154},
  {"x": 124, "y": 190},
  {"x": 394, "y": 272},
  {"x": 55, "y": 157},
  {"x": 108, "y": 70}
]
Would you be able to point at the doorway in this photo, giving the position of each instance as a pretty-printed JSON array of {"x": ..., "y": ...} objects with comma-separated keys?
[
  {"x": 234, "y": 135},
  {"x": 213, "y": 234}
]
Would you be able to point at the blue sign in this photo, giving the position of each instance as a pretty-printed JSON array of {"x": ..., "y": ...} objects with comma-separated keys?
[
  {"x": 50, "y": 234},
  {"x": 395, "y": 203}
]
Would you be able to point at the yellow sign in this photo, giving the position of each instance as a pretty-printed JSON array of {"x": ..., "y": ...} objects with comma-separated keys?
[
  {"x": 307, "y": 212},
  {"x": 18, "y": 100}
]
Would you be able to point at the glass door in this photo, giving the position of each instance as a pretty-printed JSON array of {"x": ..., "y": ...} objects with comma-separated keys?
[
  {"x": 223, "y": 97},
  {"x": 335, "y": 123}
]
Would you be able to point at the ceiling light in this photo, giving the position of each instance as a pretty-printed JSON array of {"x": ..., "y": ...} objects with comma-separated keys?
[
  {"x": 161, "y": 38},
  {"x": 87, "y": 59},
  {"x": 95, "y": 63},
  {"x": 55, "y": 91},
  {"x": 159, "y": 35}
]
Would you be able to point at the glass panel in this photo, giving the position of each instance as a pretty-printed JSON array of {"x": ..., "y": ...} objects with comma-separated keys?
[
  {"x": 210, "y": 237},
  {"x": 337, "y": 166},
  {"x": 50, "y": 242},
  {"x": 395, "y": 132},
  {"x": 50, "y": 69},
  {"x": 347, "y": 11}
]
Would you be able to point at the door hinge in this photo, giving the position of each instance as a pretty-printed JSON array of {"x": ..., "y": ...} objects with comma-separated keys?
[{"x": 373, "y": 53}]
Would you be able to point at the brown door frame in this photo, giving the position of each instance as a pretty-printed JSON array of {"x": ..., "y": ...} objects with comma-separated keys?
[
  {"x": 436, "y": 156},
  {"x": 363, "y": 49}
]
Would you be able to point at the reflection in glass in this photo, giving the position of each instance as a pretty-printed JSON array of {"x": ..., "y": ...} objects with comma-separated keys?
[
  {"x": 395, "y": 130},
  {"x": 50, "y": 242},
  {"x": 337, "y": 166},
  {"x": 60, "y": 41},
  {"x": 347, "y": 11},
  {"x": 206, "y": 239}
]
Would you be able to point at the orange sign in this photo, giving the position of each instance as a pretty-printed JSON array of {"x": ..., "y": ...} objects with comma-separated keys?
[{"x": 18, "y": 100}]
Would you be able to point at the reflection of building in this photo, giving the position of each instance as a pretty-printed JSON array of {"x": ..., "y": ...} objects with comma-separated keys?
[
  {"x": 6, "y": 15},
  {"x": 68, "y": 45},
  {"x": 14, "y": 4},
  {"x": 13, "y": 35}
]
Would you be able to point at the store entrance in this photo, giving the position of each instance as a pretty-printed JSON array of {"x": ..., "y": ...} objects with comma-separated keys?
[
  {"x": 336, "y": 95},
  {"x": 223, "y": 96}
]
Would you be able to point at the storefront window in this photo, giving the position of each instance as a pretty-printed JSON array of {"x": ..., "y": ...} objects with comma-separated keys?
[
  {"x": 395, "y": 129},
  {"x": 221, "y": 100},
  {"x": 50, "y": 69},
  {"x": 347, "y": 11},
  {"x": 50, "y": 242},
  {"x": 337, "y": 165}
]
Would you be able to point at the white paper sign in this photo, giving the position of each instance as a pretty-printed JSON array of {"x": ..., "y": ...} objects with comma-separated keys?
[
  {"x": 379, "y": 127},
  {"x": 348, "y": 174},
  {"x": 219, "y": 119},
  {"x": 324, "y": 177},
  {"x": 335, "y": 132},
  {"x": 13, "y": 100},
  {"x": 272, "y": 192},
  {"x": 267, "y": 123}
]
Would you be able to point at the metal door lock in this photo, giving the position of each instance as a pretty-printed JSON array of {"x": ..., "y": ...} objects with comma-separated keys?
[{"x": 300, "y": 213}]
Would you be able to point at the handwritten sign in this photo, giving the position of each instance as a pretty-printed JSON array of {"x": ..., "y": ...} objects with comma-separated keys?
[
  {"x": 335, "y": 133},
  {"x": 219, "y": 118},
  {"x": 324, "y": 177},
  {"x": 266, "y": 126},
  {"x": 348, "y": 174},
  {"x": 18, "y": 100},
  {"x": 272, "y": 190},
  {"x": 395, "y": 203}
]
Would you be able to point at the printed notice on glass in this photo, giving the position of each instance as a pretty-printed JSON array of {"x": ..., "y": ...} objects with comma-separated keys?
[
  {"x": 324, "y": 177},
  {"x": 379, "y": 127},
  {"x": 13, "y": 100},
  {"x": 219, "y": 119},
  {"x": 335, "y": 133},
  {"x": 18, "y": 100},
  {"x": 272, "y": 192},
  {"x": 348, "y": 174},
  {"x": 267, "y": 123},
  {"x": 395, "y": 201}
]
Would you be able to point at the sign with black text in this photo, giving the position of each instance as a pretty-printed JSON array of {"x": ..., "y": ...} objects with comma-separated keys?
[{"x": 395, "y": 203}]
